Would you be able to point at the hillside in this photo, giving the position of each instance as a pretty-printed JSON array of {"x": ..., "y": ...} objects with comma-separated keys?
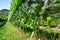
[
  {"x": 4, "y": 13},
  {"x": 3, "y": 16}
]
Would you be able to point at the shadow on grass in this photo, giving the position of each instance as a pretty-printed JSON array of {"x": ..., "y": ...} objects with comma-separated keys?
[{"x": 2, "y": 22}]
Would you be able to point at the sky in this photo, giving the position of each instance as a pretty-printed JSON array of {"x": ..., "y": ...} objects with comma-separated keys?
[{"x": 4, "y": 4}]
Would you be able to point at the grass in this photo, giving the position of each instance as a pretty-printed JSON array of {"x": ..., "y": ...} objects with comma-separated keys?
[{"x": 9, "y": 32}]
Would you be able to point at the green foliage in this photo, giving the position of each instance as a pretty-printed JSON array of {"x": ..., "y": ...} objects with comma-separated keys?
[
  {"x": 3, "y": 16},
  {"x": 14, "y": 7},
  {"x": 26, "y": 15}
]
